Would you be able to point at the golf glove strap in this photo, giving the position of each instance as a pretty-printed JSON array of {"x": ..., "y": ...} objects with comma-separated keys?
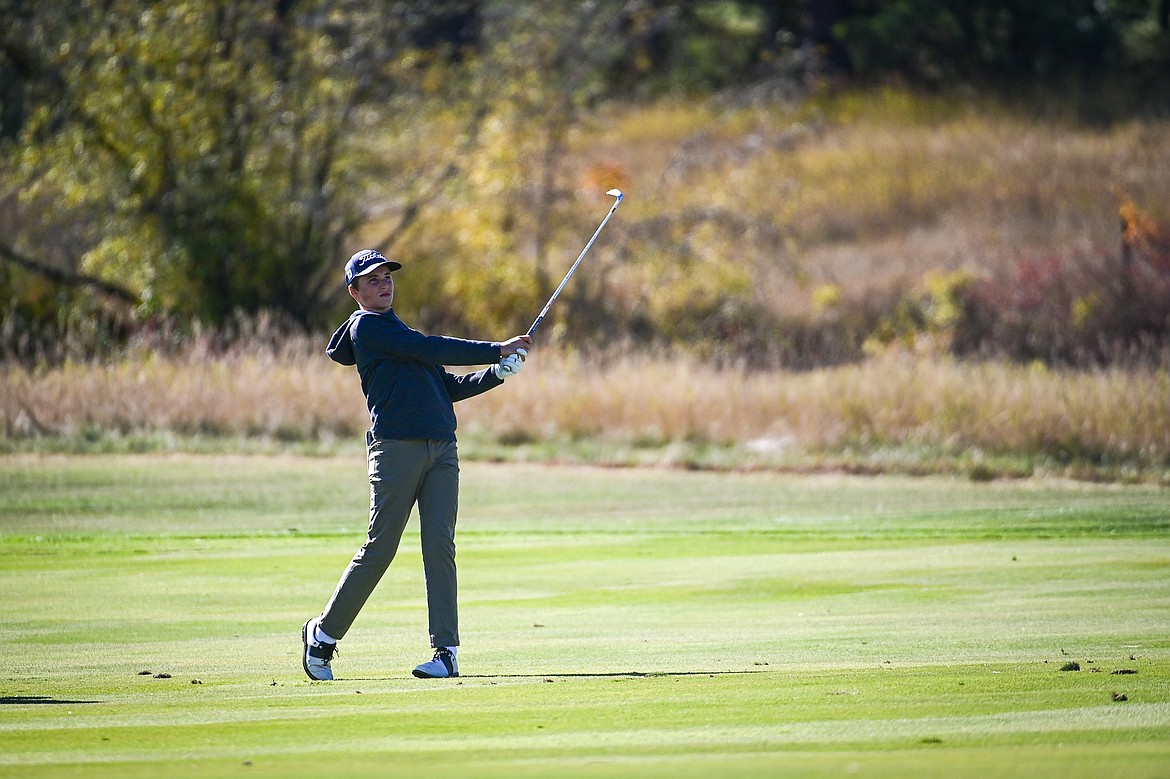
[{"x": 509, "y": 366}]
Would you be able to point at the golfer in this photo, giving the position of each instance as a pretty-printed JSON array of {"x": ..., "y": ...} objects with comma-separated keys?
[{"x": 411, "y": 456}]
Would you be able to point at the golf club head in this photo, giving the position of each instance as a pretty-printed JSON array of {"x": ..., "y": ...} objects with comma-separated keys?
[{"x": 616, "y": 193}]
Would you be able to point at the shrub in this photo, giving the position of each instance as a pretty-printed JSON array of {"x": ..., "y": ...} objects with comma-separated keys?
[{"x": 1093, "y": 307}]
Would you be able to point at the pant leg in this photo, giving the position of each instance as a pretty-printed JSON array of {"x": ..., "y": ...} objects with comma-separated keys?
[
  {"x": 396, "y": 470},
  {"x": 438, "y": 505}
]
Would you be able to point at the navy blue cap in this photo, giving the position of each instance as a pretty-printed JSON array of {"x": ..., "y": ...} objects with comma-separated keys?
[{"x": 365, "y": 261}]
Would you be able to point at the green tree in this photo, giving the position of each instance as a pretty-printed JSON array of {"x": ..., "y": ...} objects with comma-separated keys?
[
  {"x": 1021, "y": 41},
  {"x": 211, "y": 144},
  {"x": 537, "y": 74}
]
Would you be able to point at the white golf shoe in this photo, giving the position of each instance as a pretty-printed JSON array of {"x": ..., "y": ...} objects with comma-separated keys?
[
  {"x": 441, "y": 666},
  {"x": 317, "y": 655}
]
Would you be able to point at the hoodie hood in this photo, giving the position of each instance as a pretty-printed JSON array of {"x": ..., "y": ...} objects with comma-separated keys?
[{"x": 340, "y": 348}]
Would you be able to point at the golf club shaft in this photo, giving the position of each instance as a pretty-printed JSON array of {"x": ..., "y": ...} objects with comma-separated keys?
[{"x": 548, "y": 305}]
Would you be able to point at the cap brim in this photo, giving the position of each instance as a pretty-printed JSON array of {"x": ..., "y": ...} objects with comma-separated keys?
[{"x": 393, "y": 267}]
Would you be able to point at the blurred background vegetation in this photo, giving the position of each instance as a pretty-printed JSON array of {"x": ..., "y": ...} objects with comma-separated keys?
[{"x": 808, "y": 183}]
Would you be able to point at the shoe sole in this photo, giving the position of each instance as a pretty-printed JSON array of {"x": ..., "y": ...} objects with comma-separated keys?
[
  {"x": 423, "y": 675},
  {"x": 305, "y": 651}
]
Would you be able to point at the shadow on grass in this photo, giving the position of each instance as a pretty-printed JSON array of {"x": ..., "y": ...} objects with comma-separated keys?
[
  {"x": 36, "y": 700},
  {"x": 613, "y": 675},
  {"x": 618, "y": 675}
]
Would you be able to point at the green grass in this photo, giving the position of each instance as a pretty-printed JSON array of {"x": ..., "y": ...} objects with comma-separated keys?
[{"x": 633, "y": 622}]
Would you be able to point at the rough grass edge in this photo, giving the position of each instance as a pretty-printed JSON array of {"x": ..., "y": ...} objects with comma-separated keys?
[{"x": 692, "y": 455}]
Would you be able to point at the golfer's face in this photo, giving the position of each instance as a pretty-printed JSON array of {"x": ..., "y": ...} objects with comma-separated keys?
[{"x": 375, "y": 290}]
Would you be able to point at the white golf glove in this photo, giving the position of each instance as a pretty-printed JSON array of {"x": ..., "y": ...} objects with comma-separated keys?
[{"x": 509, "y": 366}]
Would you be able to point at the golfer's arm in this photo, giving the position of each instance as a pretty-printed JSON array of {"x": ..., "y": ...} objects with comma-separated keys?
[
  {"x": 470, "y": 384},
  {"x": 432, "y": 349}
]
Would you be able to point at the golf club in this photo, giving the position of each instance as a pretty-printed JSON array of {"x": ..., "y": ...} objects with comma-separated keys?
[{"x": 615, "y": 193}]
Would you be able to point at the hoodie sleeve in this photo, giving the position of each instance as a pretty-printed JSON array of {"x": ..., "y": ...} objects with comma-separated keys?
[
  {"x": 388, "y": 336},
  {"x": 470, "y": 384}
]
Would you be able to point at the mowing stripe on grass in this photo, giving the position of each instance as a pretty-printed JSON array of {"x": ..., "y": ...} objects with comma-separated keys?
[{"x": 616, "y": 623}]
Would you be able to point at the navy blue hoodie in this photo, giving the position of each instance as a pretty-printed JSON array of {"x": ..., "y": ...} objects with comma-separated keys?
[{"x": 408, "y": 392}]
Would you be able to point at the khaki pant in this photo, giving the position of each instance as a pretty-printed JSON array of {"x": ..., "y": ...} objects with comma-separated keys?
[{"x": 403, "y": 473}]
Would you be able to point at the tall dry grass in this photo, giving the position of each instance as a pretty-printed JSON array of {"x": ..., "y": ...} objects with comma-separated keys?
[
  {"x": 939, "y": 403},
  {"x": 1103, "y": 420},
  {"x": 294, "y": 394}
]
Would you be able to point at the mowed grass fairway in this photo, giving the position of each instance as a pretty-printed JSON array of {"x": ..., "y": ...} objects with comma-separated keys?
[{"x": 633, "y": 622}]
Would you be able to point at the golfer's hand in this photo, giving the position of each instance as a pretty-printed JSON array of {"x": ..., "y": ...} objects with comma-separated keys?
[
  {"x": 518, "y": 345},
  {"x": 509, "y": 366}
]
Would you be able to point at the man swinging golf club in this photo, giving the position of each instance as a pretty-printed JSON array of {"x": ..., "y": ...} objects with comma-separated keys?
[
  {"x": 411, "y": 456},
  {"x": 410, "y": 450}
]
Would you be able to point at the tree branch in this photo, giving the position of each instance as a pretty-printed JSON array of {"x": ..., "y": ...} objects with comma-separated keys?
[
  {"x": 414, "y": 208},
  {"x": 67, "y": 278}
]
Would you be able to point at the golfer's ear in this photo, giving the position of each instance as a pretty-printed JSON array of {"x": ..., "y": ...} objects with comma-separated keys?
[{"x": 353, "y": 290}]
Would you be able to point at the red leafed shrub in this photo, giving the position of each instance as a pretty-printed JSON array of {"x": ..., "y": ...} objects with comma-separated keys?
[{"x": 1082, "y": 308}]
